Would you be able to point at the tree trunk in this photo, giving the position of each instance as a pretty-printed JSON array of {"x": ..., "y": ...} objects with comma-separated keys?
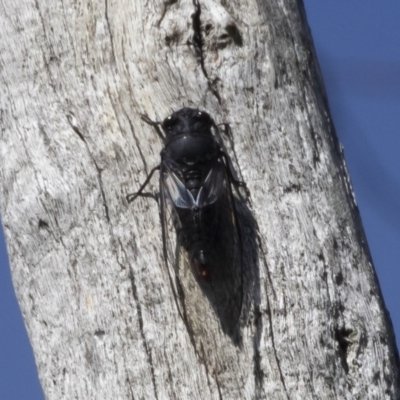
[{"x": 88, "y": 268}]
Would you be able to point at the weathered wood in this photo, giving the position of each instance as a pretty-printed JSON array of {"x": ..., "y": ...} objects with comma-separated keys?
[{"x": 88, "y": 269}]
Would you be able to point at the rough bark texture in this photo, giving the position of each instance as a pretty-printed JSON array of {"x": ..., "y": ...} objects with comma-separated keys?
[{"x": 88, "y": 268}]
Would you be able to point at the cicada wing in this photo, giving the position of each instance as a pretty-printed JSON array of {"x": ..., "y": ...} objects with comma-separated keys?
[
  {"x": 176, "y": 190},
  {"x": 220, "y": 225},
  {"x": 238, "y": 243},
  {"x": 193, "y": 306},
  {"x": 219, "y": 237},
  {"x": 213, "y": 185},
  {"x": 175, "y": 199},
  {"x": 171, "y": 246}
]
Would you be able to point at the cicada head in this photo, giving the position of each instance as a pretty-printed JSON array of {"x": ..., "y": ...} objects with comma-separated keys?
[{"x": 187, "y": 121}]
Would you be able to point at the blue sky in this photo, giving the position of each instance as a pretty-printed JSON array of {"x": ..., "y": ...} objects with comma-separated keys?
[{"x": 358, "y": 46}]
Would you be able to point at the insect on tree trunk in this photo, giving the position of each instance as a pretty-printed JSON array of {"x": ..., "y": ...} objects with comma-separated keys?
[{"x": 107, "y": 318}]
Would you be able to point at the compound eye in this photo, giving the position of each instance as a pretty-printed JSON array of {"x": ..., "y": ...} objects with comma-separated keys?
[
  {"x": 203, "y": 117},
  {"x": 169, "y": 122},
  {"x": 203, "y": 120}
]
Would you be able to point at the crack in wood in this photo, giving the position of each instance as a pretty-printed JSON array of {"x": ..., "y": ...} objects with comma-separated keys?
[
  {"x": 167, "y": 4},
  {"x": 141, "y": 328},
  {"x": 70, "y": 120},
  {"x": 198, "y": 43},
  {"x": 302, "y": 91},
  {"x": 137, "y": 142},
  {"x": 109, "y": 30},
  {"x": 208, "y": 374},
  {"x": 342, "y": 337},
  {"x": 278, "y": 363},
  {"x": 43, "y": 224},
  {"x": 257, "y": 370}
]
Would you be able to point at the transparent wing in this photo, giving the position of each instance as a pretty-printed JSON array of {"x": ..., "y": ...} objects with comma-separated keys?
[
  {"x": 176, "y": 190},
  {"x": 171, "y": 245},
  {"x": 208, "y": 194},
  {"x": 213, "y": 185}
]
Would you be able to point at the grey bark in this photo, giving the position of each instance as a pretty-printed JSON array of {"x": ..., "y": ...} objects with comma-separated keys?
[{"x": 88, "y": 268}]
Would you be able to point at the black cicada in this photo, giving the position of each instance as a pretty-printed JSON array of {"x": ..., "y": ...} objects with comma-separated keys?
[{"x": 196, "y": 183}]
